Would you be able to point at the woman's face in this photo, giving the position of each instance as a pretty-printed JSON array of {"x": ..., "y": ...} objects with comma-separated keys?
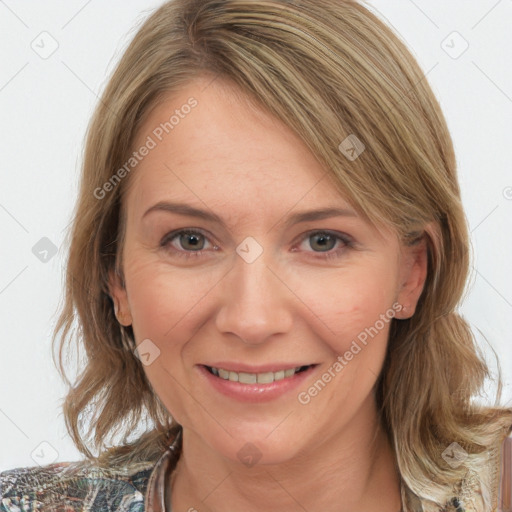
[{"x": 263, "y": 284}]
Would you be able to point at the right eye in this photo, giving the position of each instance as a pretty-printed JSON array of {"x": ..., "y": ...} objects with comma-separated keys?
[{"x": 186, "y": 243}]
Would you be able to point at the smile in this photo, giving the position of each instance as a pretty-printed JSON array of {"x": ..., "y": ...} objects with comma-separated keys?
[
  {"x": 256, "y": 378},
  {"x": 254, "y": 383}
]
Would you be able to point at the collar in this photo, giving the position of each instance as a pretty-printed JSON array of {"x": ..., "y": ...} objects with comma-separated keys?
[{"x": 156, "y": 495}]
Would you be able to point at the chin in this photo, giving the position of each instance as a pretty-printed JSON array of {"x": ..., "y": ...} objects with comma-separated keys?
[{"x": 258, "y": 447}]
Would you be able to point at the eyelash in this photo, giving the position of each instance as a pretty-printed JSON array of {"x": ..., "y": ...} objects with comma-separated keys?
[{"x": 327, "y": 255}]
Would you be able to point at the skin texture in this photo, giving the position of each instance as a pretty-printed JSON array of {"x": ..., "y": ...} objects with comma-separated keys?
[{"x": 289, "y": 305}]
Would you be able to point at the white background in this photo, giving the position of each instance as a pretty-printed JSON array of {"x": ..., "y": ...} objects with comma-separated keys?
[{"x": 45, "y": 106}]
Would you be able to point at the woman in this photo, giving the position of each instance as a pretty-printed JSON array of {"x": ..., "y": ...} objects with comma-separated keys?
[{"x": 277, "y": 374}]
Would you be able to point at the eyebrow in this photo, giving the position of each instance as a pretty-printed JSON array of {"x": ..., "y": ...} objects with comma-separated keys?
[{"x": 304, "y": 216}]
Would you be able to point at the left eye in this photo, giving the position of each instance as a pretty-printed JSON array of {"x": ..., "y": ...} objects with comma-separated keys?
[
  {"x": 323, "y": 241},
  {"x": 326, "y": 241}
]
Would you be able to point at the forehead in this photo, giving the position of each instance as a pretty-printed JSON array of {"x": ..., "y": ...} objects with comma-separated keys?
[{"x": 209, "y": 145}]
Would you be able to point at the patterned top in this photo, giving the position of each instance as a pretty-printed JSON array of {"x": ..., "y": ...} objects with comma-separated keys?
[
  {"x": 81, "y": 486},
  {"x": 70, "y": 487}
]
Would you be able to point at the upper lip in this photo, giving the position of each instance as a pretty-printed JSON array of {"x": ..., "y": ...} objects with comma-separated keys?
[{"x": 241, "y": 367}]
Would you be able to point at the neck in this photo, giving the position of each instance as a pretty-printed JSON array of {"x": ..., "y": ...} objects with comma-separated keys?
[{"x": 350, "y": 469}]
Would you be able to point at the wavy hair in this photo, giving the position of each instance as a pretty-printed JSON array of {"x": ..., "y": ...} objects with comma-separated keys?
[{"x": 328, "y": 69}]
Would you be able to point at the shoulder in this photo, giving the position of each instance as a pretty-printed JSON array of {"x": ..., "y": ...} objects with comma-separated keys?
[
  {"x": 73, "y": 486},
  {"x": 480, "y": 488}
]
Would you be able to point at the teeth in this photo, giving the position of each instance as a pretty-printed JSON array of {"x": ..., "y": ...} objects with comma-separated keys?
[
  {"x": 266, "y": 378},
  {"x": 253, "y": 378},
  {"x": 247, "y": 378}
]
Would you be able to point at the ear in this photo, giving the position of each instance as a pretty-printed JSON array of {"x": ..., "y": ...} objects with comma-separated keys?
[
  {"x": 412, "y": 276},
  {"x": 119, "y": 295}
]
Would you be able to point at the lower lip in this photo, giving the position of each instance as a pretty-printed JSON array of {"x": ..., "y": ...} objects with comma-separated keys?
[{"x": 255, "y": 392}]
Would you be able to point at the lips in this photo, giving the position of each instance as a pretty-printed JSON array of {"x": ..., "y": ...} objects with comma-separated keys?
[{"x": 257, "y": 385}]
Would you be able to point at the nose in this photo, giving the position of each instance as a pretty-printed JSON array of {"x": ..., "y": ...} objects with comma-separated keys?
[{"x": 255, "y": 302}]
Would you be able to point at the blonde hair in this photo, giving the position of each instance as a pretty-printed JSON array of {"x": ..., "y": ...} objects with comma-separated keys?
[{"x": 329, "y": 69}]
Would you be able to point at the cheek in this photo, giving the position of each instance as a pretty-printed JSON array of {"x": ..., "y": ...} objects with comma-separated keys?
[
  {"x": 167, "y": 306},
  {"x": 164, "y": 300},
  {"x": 345, "y": 304}
]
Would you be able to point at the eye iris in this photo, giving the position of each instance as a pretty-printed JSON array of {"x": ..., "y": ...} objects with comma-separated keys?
[
  {"x": 325, "y": 241},
  {"x": 193, "y": 239}
]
